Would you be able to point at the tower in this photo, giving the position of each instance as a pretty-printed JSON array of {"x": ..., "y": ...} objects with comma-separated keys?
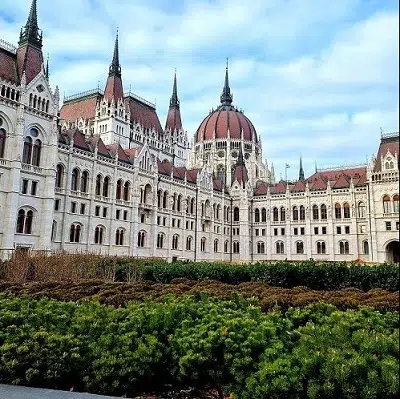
[{"x": 301, "y": 171}]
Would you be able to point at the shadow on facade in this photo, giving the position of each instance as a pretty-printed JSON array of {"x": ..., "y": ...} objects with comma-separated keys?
[{"x": 393, "y": 252}]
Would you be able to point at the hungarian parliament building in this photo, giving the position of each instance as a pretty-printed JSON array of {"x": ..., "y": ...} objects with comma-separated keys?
[{"x": 101, "y": 174}]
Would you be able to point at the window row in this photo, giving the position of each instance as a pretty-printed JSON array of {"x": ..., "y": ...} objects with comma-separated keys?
[
  {"x": 391, "y": 204},
  {"x": 75, "y": 234}
]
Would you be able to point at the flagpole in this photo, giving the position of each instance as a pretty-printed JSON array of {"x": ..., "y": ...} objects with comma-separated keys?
[{"x": 286, "y": 172}]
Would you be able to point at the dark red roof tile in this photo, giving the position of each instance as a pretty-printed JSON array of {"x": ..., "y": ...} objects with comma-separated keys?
[{"x": 8, "y": 66}]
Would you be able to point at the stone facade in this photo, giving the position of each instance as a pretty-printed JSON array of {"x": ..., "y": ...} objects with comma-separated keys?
[{"x": 102, "y": 175}]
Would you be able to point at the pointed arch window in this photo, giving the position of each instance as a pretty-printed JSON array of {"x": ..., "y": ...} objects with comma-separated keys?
[
  {"x": 75, "y": 179},
  {"x": 189, "y": 243},
  {"x": 175, "y": 241},
  {"x": 396, "y": 203},
  {"x": 141, "y": 239},
  {"x": 299, "y": 247},
  {"x": 203, "y": 244},
  {"x": 283, "y": 214},
  {"x": 338, "y": 211},
  {"x": 24, "y": 221},
  {"x": 386, "y": 204},
  {"x": 302, "y": 212},
  {"x": 366, "y": 247},
  {"x": 235, "y": 214},
  {"x": 346, "y": 210},
  {"x": 27, "y": 152},
  {"x": 2, "y": 142},
  {"x": 236, "y": 247},
  {"x": 127, "y": 187},
  {"x": 36, "y": 153},
  {"x": 263, "y": 215},
  {"x": 324, "y": 212},
  {"x": 98, "y": 184},
  {"x": 260, "y": 247},
  {"x": 106, "y": 186},
  {"x": 361, "y": 210},
  {"x": 295, "y": 213},
  {"x": 59, "y": 175},
  {"x": 226, "y": 246},
  {"x": 256, "y": 215},
  {"x": 160, "y": 240},
  {"x": 216, "y": 245},
  {"x": 119, "y": 236},
  {"x": 99, "y": 234},
  {"x": 280, "y": 247},
  {"x": 118, "y": 191},
  {"x": 85, "y": 182},
  {"x": 275, "y": 214},
  {"x": 315, "y": 212},
  {"x": 344, "y": 247},
  {"x": 75, "y": 232},
  {"x": 321, "y": 247}
]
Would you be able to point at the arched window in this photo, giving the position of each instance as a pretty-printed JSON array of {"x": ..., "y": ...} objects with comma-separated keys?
[
  {"x": 119, "y": 236},
  {"x": 146, "y": 194},
  {"x": 346, "y": 210},
  {"x": 24, "y": 221},
  {"x": 2, "y": 142},
  {"x": 75, "y": 233},
  {"x": 179, "y": 203},
  {"x": 344, "y": 247},
  {"x": 236, "y": 247},
  {"x": 27, "y": 153},
  {"x": 321, "y": 247},
  {"x": 386, "y": 204},
  {"x": 257, "y": 215},
  {"x": 141, "y": 239},
  {"x": 275, "y": 214},
  {"x": 118, "y": 190},
  {"x": 192, "y": 203},
  {"x": 160, "y": 240},
  {"x": 315, "y": 212},
  {"x": 361, "y": 210},
  {"x": 37, "y": 150},
  {"x": 226, "y": 246},
  {"x": 165, "y": 200},
  {"x": 396, "y": 203},
  {"x": 106, "y": 186},
  {"x": 175, "y": 241},
  {"x": 189, "y": 243},
  {"x": 99, "y": 234},
  {"x": 203, "y": 244},
  {"x": 302, "y": 212},
  {"x": 75, "y": 179},
  {"x": 159, "y": 198},
  {"x": 99, "y": 179},
  {"x": 85, "y": 182},
  {"x": 295, "y": 213},
  {"x": 299, "y": 247},
  {"x": 280, "y": 247},
  {"x": 338, "y": 211},
  {"x": 127, "y": 187},
  {"x": 174, "y": 202},
  {"x": 219, "y": 212},
  {"x": 366, "y": 247},
  {"x": 235, "y": 214},
  {"x": 283, "y": 214},
  {"x": 216, "y": 245},
  {"x": 260, "y": 247},
  {"x": 324, "y": 213},
  {"x": 59, "y": 175},
  {"x": 263, "y": 215},
  {"x": 53, "y": 231}
]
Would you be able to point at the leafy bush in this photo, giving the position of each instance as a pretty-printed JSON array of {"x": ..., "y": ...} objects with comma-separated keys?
[{"x": 317, "y": 351}]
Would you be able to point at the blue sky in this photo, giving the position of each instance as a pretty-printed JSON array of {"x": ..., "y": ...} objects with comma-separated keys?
[{"x": 316, "y": 77}]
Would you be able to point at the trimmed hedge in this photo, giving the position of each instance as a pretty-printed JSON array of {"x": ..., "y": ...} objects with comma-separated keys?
[{"x": 231, "y": 346}]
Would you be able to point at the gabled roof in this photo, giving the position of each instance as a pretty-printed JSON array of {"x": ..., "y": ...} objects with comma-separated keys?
[
  {"x": 343, "y": 181},
  {"x": 84, "y": 107},
  {"x": 299, "y": 186},
  {"x": 116, "y": 148},
  {"x": 261, "y": 189},
  {"x": 280, "y": 188},
  {"x": 144, "y": 114},
  {"x": 338, "y": 178},
  {"x": 389, "y": 144}
]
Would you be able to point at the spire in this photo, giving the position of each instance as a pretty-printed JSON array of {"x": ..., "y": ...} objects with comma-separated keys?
[
  {"x": 226, "y": 96},
  {"x": 174, "y": 121},
  {"x": 301, "y": 171},
  {"x": 115, "y": 67},
  {"x": 30, "y": 33},
  {"x": 114, "y": 89},
  {"x": 174, "y": 102}
]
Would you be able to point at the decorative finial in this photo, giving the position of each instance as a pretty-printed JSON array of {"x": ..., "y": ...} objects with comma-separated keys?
[
  {"x": 115, "y": 67},
  {"x": 174, "y": 102}
]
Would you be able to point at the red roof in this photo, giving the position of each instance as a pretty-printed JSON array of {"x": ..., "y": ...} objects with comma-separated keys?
[
  {"x": 81, "y": 108},
  {"x": 8, "y": 67},
  {"x": 262, "y": 189},
  {"x": 122, "y": 156},
  {"x": 114, "y": 88},
  {"x": 174, "y": 120},
  {"x": 240, "y": 175},
  {"x": 299, "y": 186},
  {"x": 144, "y": 114},
  {"x": 387, "y": 145},
  {"x": 226, "y": 122},
  {"x": 280, "y": 188},
  {"x": 30, "y": 60}
]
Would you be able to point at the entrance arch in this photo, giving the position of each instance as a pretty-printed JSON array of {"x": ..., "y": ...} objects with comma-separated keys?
[{"x": 393, "y": 252}]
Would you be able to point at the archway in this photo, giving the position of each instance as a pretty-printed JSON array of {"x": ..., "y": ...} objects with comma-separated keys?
[{"x": 393, "y": 252}]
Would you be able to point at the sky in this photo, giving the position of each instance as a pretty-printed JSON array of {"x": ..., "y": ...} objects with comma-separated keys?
[{"x": 318, "y": 78}]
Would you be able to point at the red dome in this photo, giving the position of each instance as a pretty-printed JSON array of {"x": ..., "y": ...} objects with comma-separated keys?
[{"x": 226, "y": 123}]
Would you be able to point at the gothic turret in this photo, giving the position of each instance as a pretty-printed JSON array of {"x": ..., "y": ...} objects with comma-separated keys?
[
  {"x": 241, "y": 174},
  {"x": 174, "y": 121},
  {"x": 29, "y": 53},
  {"x": 301, "y": 171},
  {"x": 114, "y": 89},
  {"x": 226, "y": 96}
]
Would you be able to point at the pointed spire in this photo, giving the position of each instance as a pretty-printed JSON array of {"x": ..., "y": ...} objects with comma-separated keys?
[
  {"x": 301, "y": 171},
  {"x": 316, "y": 168},
  {"x": 115, "y": 67},
  {"x": 174, "y": 102},
  {"x": 114, "y": 89},
  {"x": 226, "y": 96},
  {"x": 30, "y": 33}
]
